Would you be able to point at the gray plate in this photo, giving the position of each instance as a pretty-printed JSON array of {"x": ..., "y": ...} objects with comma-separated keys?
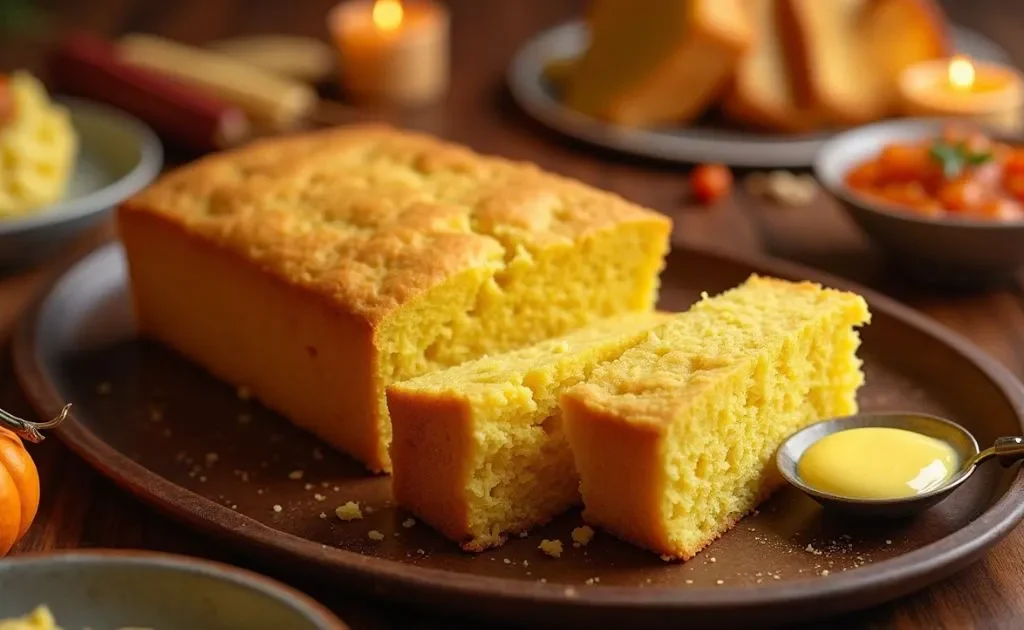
[
  {"x": 117, "y": 156},
  {"x": 680, "y": 144},
  {"x": 106, "y": 590}
]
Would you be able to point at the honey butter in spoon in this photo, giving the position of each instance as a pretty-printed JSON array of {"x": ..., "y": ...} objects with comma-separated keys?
[{"x": 886, "y": 464}]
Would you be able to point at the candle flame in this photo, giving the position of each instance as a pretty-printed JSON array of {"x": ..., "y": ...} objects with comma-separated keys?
[
  {"x": 387, "y": 14},
  {"x": 961, "y": 73}
]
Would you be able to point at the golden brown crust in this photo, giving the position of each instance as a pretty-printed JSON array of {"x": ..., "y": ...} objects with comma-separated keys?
[{"x": 370, "y": 217}]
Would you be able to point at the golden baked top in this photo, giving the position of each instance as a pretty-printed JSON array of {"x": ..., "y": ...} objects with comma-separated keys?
[
  {"x": 652, "y": 380},
  {"x": 371, "y": 216}
]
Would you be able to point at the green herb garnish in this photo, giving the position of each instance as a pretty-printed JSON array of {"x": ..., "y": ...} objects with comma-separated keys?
[{"x": 954, "y": 158}]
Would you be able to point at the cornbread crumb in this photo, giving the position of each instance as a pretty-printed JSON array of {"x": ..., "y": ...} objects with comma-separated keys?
[
  {"x": 713, "y": 559},
  {"x": 308, "y": 486},
  {"x": 526, "y": 563},
  {"x": 320, "y": 497},
  {"x": 409, "y": 522},
  {"x": 323, "y": 515},
  {"x": 590, "y": 581},
  {"x": 349, "y": 512},
  {"x": 552, "y": 548},
  {"x": 295, "y": 475},
  {"x": 421, "y": 552},
  {"x": 825, "y": 572},
  {"x": 689, "y": 581},
  {"x": 719, "y": 581},
  {"x": 507, "y": 561},
  {"x": 581, "y": 536},
  {"x": 375, "y": 535},
  {"x": 277, "y": 508}
]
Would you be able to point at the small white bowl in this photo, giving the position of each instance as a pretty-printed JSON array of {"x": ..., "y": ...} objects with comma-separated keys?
[
  {"x": 118, "y": 155},
  {"x": 946, "y": 250}
]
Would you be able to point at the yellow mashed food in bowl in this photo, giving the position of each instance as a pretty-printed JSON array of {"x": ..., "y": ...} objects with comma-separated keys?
[
  {"x": 39, "y": 619},
  {"x": 38, "y": 146}
]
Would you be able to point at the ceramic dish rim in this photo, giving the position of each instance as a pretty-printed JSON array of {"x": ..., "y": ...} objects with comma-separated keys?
[
  {"x": 148, "y": 167},
  {"x": 163, "y": 561},
  {"x": 953, "y": 550}
]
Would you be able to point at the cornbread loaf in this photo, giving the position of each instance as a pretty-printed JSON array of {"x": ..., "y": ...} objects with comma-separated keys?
[
  {"x": 662, "y": 63},
  {"x": 315, "y": 269},
  {"x": 674, "y": 441},
  {"x": 478, "y": 449}
]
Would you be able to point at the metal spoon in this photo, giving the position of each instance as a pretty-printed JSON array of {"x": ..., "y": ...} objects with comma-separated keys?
[{"x": 1007, "y": 449}]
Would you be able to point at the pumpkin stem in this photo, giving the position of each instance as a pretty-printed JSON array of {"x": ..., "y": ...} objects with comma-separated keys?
[{"x": 31, "y": 430}]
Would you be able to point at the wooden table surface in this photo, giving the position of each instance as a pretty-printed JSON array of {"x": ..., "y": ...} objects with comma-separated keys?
[{"x": 81, "y": 509}]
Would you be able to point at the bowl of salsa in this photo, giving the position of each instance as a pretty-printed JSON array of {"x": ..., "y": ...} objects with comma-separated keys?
[{"x": 942, "y": 199}]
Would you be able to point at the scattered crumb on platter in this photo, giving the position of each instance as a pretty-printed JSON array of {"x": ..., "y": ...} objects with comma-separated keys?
[{"x": 349, "y": 512}]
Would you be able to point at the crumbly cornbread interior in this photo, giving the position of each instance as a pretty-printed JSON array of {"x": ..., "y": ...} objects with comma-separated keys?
[
  {"x": 498, "y": 418},
  {"x": 717, "y": 389},
  {"x": 393, "y": 252}
]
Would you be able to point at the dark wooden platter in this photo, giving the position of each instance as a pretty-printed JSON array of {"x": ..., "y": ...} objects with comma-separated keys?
[{"x": 186, "y": 443}]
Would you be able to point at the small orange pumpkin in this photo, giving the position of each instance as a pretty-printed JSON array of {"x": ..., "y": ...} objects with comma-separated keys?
[
  {"x": 19, "y": 490},
  {"x": 19, "y": 478}
]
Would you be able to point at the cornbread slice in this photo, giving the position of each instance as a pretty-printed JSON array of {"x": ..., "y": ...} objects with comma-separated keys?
[
  {"x": 674, "y": 441},
  {"x": 479, "y": 450},
  {"x": 661, "y": 64},
  {"x": 317, "y": 268}
]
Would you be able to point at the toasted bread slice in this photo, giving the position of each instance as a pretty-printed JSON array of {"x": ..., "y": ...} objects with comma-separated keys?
[
  {"x": 662, "y": 64},
  {"x": 762, "y": 93},
  {"x": 834, "y": 75},
  {"x": 848, "y": 54},
  {"x": 900, "y": 33}
]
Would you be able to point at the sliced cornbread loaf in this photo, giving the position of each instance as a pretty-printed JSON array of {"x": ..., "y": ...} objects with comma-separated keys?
[
  {"x": 478, "y": 449},
  {"x": 674, "y": 441},
  {"x": 316, "y": 269},
  {"x": 662, "y": 63}
]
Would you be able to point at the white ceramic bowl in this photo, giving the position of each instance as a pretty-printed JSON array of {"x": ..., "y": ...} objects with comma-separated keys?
[
  {"x": 118, "y": 155},
  {"x": 948, "y": 250},
  {"x": 121, "y": 589}
]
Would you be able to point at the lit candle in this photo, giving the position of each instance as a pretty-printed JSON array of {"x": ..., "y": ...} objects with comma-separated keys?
[
  {"x": 390, "y": 51},
  {"x": 989, "y": 93}
]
